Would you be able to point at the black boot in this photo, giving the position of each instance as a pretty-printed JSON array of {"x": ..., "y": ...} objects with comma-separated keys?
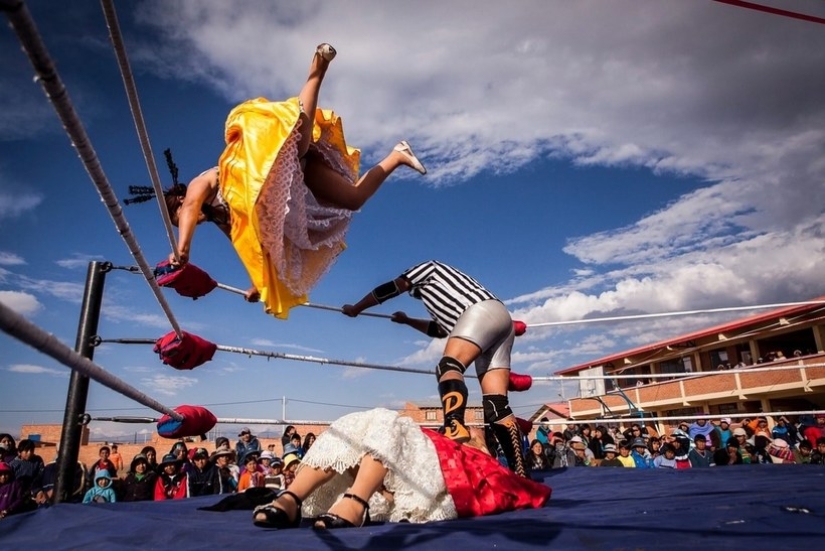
[
  {"x": 454, "y": 403},
  {"x": 509, "y": 437}
]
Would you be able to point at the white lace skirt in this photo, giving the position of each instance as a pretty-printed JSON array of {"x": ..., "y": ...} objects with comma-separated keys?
[
  {"x": 302, "y": 237},
  {"x": 413, "y": 472}
]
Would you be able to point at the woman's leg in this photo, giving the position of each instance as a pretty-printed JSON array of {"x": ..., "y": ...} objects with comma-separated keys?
[
  {"x": 368, "y": 480},
  {"x": 309, "y": 97},
  {"x": 330, "y": 187},
  {"x": 306, "y": 481}
]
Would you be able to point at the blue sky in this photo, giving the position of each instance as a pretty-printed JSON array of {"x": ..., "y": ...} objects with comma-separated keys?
[{"x": 586, "y": 159}]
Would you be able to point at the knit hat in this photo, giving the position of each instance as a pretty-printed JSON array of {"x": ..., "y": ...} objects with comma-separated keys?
[
  {"x": 740, "y": 432},
  {"x": 639, "y": 442},
  {"x": 268, "y": 455},
  {"x": 289, "y": 459},
  {"x": 201, "y": 453},
  {"x": 725, "y": 420},
  {"x": 169, "y": 459},
  {"x": 136, "y": 460},
  {"x": 245, "y": 430},
  {"x": 609, "y": 448}
]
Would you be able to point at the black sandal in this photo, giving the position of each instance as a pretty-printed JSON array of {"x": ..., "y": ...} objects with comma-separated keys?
[
  {"x": 331, "y": 520},
  {"x": 275, "y": 517}
]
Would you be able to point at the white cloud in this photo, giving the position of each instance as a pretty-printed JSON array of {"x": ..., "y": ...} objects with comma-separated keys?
[
  {"x": 168, "y": 385},
  {"x": 11, "y": 259},
  {"x": 30, "y": 369},
  {"x": 22, "y": 303},
  {"x": 272, "y": 344},
  {"x": 77, "y": 260},
  {"x": 13, "y": 205}
]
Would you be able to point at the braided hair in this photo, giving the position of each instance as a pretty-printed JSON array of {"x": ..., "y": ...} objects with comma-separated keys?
[{"x": 141, "y": 194}]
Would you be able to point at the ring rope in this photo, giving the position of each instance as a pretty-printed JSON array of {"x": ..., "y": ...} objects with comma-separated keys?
[
  {"x": 29, "y": 38},
  {"x": 679, "y": 313},
  {"x": 137, "y": 114},
  {"x": 23, "y": 330}
]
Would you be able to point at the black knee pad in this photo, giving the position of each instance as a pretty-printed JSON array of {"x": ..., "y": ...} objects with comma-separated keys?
[
  {"x": 448, "y": 363},
  {"x": 496, "y": 407}
]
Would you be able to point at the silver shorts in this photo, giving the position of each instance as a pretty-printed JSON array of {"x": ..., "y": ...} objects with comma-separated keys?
[{"x": 489, "y": 326}]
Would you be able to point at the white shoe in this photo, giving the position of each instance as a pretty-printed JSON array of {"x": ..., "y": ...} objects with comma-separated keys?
[
  {"x": 326, "y": 51},
  {"x": 404, "y": 148}
]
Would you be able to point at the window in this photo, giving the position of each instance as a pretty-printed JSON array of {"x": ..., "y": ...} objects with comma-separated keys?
[
  {"x": 478, "y": 415},
  {"x": 431, "y": 415}
]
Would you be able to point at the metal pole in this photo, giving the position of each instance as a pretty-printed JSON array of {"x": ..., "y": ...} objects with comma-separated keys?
[{"x": 70, "y": 437}]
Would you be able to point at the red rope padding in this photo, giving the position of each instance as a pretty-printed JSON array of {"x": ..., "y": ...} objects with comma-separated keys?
[
  {"x": 520, "y": 327},
  {"x": 773, "y": 11},
  {"x": 188, "y": 281},
  {"x": 519, "y": 383},
  {"x": 186, "y": 353},
  {"x": 197, "y": 421}
]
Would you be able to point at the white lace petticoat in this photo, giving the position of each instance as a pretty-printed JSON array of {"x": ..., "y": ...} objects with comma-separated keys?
[
  {"x": 413, "y": 472},
  {"x": 301, "y": 236}
]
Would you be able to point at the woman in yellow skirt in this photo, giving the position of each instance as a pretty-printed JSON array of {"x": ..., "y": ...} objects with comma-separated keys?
[{"x": 284, "y": 191}]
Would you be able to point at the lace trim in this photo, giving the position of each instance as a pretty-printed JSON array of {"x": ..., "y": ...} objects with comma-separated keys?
[
  {"x": 302, "y": 237},
  {"x": 413, "y": 472}
]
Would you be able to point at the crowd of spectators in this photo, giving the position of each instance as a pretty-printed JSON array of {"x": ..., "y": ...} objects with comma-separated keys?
[
  {"x": 699, "y": 444},
  {"x": 27, "y": 483}
]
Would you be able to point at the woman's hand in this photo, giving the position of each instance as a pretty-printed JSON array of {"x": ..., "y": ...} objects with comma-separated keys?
[
  {"x": 400, "y": 317},
  {"x": 252, "y": 294},
  {"x": 183, "y": 258}
]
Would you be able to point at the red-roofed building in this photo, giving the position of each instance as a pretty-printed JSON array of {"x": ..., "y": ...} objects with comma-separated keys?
[{"x": 792, "y": 336}]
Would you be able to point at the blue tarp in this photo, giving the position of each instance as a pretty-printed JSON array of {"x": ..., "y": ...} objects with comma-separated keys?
[{"x": 739, "y": 507}]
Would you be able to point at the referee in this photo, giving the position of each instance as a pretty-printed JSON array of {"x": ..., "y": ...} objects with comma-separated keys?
[{"x": 478, "y": 328}]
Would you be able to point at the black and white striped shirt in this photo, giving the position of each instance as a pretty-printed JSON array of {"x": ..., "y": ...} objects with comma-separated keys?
[{"x": 446, "y": 292}]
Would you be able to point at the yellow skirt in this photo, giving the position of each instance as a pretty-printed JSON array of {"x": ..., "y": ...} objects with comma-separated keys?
[{"x": 286, "y": 240}]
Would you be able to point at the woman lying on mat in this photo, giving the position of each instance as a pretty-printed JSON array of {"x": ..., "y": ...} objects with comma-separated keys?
[{"x": 378, "y": 465}]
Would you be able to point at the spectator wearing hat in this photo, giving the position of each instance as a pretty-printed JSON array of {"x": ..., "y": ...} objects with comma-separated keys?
[
  {"x": 291, "y": 463},
  {"x": 139, "y": 484},
  {"x": 580, "y": 458},
  {"x": 13, "y": 495},
  {"x": 246, "y": 443},
  {"x": 723, "y": 432},
  {"x": 223, "y": 459},
  {"x": 273, "y": 471},
  {"x": 543, "y": 432},
  {"x": 203, "y": 477},
  {"x": 741, "y": 437},
  {"x": 563, "y": 455},
  {"x": 700, "y": 456},
  {"x": 780, "y": 452},
  {"x": 624, "y": 455},
  {"x": 102, "y": 491},
  {"x": 172, "y": 481},
  {"x": 102, "y": 464},
  {"x": 668, "y": 458},
  {"x": 640, "y": 454},
  {"x": 610, "y": 459}
]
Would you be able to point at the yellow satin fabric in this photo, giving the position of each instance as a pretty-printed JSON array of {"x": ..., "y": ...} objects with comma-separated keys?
[{"x": 255, "y": 134}]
